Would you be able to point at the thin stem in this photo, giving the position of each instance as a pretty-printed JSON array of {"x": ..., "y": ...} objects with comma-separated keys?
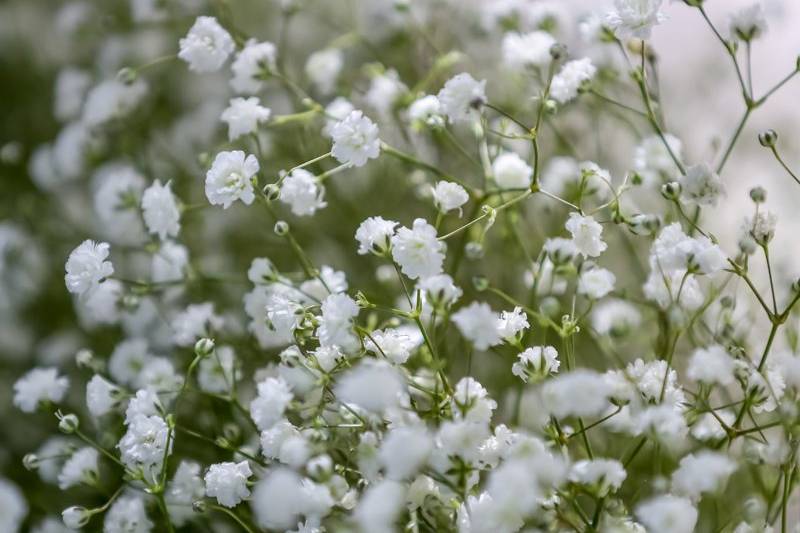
[
  {"x": 735, "y": 137},
  {"x": 234, "y": 516},
  {"x": 784, "y": 165}
]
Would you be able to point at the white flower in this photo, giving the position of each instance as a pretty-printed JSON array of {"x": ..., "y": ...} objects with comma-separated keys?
[
  {"x": 183, "y": 490},
  {"x": 281, "y": 497},
  {"x": 207, "y": 45},
  {"x": 510, "y": 171},
  {"x": 13, "y": 507},
  {"x": 254, "y": 62},
  {"x": 117, "y": 191},
  {"x": 75, "y": 517},
  {"x": 596, "y": 283},
  {"x": 711, "y": 365},
  {"x": 87, "y": 266},
  {"x": 195, "y": 322},
  {"x": 426, "y": 110},
  {"x": 127, "y": 515},
  {"x": 701, "y": 185},
  {"x": 81, "y": 467},
  {"x": 336, "y": 323},
  {"x": 748, "y": 23},
  {"x": 230, "y": 178},
  {"x": 355, "y": 140},
  {"x": 702, "y": 472},
  {"x": 268, "y": 407},
  {"x": 538, "y": 361},
  {"x": 335, "y": 112},
  {"x": 462, "y": 96},
  {"x": 227, "y": 482},
  {"x": 471, "y": 402},
  {"x": 560, "y": 250},
  {"x": 586, "y": 234},
  {"x": 169, "y": 262},
  {"x": 160, "y": 210},
  {"x": 667, "y": 514},
  {"x": 144, "y": 403},
  {"x": 615, "y": 317},
  {"x": 243, "y": 116},
  {"x": 37, "y": 386},
  {"x": 374, "y": 235},
  {"x": 570, "y": 78},
  {"x": 761, "y": 227},
  {"x": 448, "y": 196},
  {"x": 653, "y": 162},
  {"x": 380, "y": 506},
  {"x": 70, "y": 89},
  {"x": 601, "y": 475},
  {"x": 127, "y": 360},
  {"x": 102, "y": 396},
  {"x": 404, "y": 450},
  {"x": 384, "y": 92},
  {"x": 478, "y": 324},
  {"x": 143, "y": 446},
  {"x": 417, "y": 250},
  {"x": 373, "y": 385},
  {"x": 394, "y": 344},
  {"x": 528, "y": 49},
  {"x": 111, "y": 100},
  {"x": 440, "y": 289},
  {"x": 581, "y": 392},
  {"x": 323, "y": 67},
  {"x": 303, "y": 192},
  {"x": 674, "y": 251},
  {"x": 216, "y": 373},
  {"x": 511, "y": 323},
  {"x": 635, "y": 18}
]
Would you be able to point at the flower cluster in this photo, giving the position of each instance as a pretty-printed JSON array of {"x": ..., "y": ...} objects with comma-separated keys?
[{"x": 392, "y": 270}]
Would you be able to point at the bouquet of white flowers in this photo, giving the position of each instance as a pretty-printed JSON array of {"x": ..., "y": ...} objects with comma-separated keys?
[{"x": 383, "y": 265}]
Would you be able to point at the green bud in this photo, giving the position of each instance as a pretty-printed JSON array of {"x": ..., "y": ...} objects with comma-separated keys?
[
  {"x": 272, "y": 191},
  {"x": 558, "y": 51},
  {"x": 671, "y": 190},
  {"x": 281, "y": 228},
  {"x": 204, "y": 347},
  {"x": 68, "y": 424},
  {"x": 758, "y": 195},
  {"x": 768, "y": 138},
  {"x": 480, "y": 283},
  {"x": 30, "y": 461},
  {"x": 127, "y": 75}
]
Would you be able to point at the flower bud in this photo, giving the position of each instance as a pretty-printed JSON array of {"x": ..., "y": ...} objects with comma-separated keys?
[
  {"x": 550, "y": 106},
  {"x": 558, "y": 51},
  {"x": 232, "y": 432},
  {"x": 550, "y": 306},
  {"x": 748, "y": 245},
  {"x": 84, "y": 358},
  {"x": 30, "y": 461},
  {"x": 643, "y": 224},
  {"x": 75, "y": 517},
  {"x": 68, "y": 424},
  {"x": 281, "y": 228},
  {"x": 272, "y": 191},
  {"x": 768, "y": 138},
  {"x": 796, "y": 285},
  {"x": 758, "y": 195},
  {"x": 204, "y": 347},
  {"x": 474, "y": 250},
  {"x": 671, "y": 190},
  {"x": 199, "y": 506},
  {"x": 480, "y": 283},
  {"x": 320, "y": 467},
  {"x": 127, "y": 75}
]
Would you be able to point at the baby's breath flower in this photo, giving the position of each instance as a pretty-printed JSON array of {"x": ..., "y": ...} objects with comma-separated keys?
[
  {"x": 230, "y": 178},
  {"x": 207, "y": 45},
  {"x": 355, "y": 140},
  {"x": 243, "y": 115}
]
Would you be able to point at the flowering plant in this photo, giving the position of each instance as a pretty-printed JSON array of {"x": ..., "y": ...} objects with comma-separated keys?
[{"x": 368, "y": 271}]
